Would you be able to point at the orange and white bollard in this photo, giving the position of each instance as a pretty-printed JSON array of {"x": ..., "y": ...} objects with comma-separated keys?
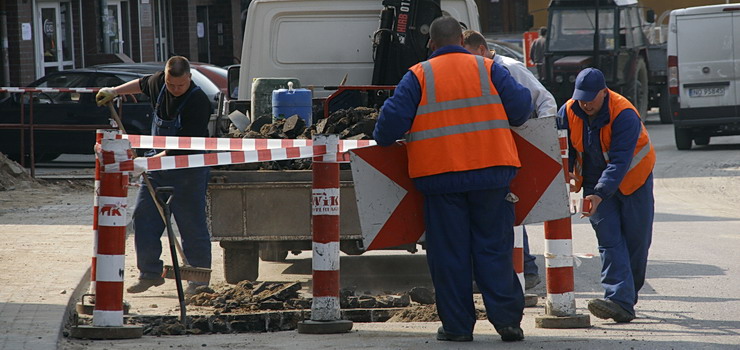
[
  {"x": 560, "y": 306},
  {"x": 111, "y": 250},
  {"x": 325, "y": 309},
  {"x": 518, "y": 254}
]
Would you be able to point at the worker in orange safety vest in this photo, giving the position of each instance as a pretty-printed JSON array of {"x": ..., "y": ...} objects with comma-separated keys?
[
  {"x": 613, "y": 163},
  {"x": 457, "y": 109}
]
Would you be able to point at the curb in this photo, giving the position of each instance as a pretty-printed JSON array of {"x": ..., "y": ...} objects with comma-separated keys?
[{"x": 70, "y": 311}]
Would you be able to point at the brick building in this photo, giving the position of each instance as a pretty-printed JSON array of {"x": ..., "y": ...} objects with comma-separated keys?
[{"x": 48, "y": 35}]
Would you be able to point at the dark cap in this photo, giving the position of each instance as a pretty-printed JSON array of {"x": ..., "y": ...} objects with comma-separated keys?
[{"x": 588, "y": 83}]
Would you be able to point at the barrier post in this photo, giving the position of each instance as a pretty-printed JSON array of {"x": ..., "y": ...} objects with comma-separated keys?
[
  {"x": 530, "y": 300},
  {"x": 560, "y": 306},
  {"x": 111, "y": 250},
  {"x": 82, "y": 307},
  {"x": 325, "y": 309}
]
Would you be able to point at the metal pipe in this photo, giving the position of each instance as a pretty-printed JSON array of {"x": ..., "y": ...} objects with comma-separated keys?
[{"x": 4, "y": 45}]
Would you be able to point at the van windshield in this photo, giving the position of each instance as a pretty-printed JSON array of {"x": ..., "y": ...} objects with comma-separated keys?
[{"x": 573, "y": 30}]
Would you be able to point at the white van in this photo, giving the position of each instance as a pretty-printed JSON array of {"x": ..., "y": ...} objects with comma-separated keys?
[
  {"x": 319, "y": 41},
  {"x": 704, "y": 73}
]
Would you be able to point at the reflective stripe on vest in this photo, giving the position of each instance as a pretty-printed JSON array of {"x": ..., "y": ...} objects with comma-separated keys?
[
  {"x": 643, "y": 160},
  {"x": 460, "y": 118}
]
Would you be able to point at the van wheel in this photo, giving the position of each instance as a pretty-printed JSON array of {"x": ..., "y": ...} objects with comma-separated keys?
[
  {"x": 701, "y": 140},
  {"x": 637, "y": 89},
  {"x": 683, "y": 138},
  {"x": 666, "y": 117},
  {"x": 241, "y": 261}
]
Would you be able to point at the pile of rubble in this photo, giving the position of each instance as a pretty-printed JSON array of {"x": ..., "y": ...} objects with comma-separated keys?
[
  {"x": 351, "y": 124},
  {"x": 12, "y": 175}
]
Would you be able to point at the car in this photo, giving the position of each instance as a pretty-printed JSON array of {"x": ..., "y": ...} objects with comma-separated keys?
[
  {"x": 506, "y": 49},
  {"x": 65, "y": 121}
]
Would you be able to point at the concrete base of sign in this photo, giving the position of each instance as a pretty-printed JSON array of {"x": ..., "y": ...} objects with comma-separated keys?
[
  {"x": 571, "y": 321},
  {"x": 93, "y": 332},
  {"x": 530, "y": 300},
  {"x": 324, "y": 327}
]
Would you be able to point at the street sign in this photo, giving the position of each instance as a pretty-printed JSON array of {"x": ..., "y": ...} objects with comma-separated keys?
[
  {"x": 391, "y": 209},
  {"x": 527, "y": 39}
]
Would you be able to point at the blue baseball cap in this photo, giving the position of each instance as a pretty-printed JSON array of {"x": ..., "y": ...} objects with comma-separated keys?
[{"x": 588, "y": 83}]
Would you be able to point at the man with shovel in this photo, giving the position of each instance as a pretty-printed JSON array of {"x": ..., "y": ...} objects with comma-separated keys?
[{"x": 180, "y": 108}]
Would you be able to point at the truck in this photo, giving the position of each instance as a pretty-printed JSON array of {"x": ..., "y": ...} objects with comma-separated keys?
[
  {"x": 704, "y": 73},
  {"x": 628, "y": 49},
  {"x": 358, "y": 44}
]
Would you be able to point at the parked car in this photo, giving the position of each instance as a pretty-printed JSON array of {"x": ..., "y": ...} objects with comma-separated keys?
[
  {"x": 62, "y": 112},
  {"x": 506, "y": 49}
]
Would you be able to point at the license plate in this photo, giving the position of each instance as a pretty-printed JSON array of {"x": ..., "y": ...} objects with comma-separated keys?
[{"x": 706, "y": 91}]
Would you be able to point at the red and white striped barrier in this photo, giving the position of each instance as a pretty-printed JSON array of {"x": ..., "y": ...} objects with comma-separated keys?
[
  {"x": 253, "y": 150},
  {"x": 325, "y": 308},
  {"x": 325, "y": 231},
  {"x": 100, "y": 135},
  {"x": 111, "y": 245},
  {"x": 48, "y": 90},
  {"x": 559, "y": 255},
  {"x": 518, "y": 254}
]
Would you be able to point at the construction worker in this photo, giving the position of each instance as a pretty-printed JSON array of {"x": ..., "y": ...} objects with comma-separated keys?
[
  {"x": 537, "y": 52},
  {"x": 457, "y": 108},
  {"x": 613, "y": 163},
  {"x": 544, "y": 106},
  {"x": 180, "y": 108}
]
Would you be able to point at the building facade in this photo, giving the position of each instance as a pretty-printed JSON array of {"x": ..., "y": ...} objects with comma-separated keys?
[{"x": 43, "y": 36}]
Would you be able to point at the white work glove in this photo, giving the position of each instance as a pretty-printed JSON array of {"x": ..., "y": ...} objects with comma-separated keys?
[{"x": 105, "y": 95}]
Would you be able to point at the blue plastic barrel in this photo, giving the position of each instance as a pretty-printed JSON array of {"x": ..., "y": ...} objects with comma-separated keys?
[{"x": 288, "y": 102}]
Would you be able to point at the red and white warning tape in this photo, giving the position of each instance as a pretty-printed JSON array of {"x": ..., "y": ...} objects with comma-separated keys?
[
  {"x": 47, "y": 90},
  {"x": 250, "y": 151},
  {"x": 228, "y": 144},
  {"x": 140, "y": 165}
]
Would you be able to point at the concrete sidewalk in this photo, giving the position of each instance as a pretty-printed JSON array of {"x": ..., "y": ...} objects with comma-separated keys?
[{"x": 45, "y": 252}]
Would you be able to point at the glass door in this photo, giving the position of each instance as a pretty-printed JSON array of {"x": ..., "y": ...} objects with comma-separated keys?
[
  {"x": 54, "y": 37},
  {"x": 161, "y": 29}
]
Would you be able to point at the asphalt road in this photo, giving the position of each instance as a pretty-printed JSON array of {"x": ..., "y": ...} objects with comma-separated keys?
[{"x": 690, "y": 299}]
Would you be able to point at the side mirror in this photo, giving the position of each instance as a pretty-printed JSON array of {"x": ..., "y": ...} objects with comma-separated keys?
[
  {"x": 650, "y": 16},
  {"x": 232, "y": 77}
]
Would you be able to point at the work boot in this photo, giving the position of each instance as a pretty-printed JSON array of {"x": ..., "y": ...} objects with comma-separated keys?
[
  {"x": 144, "y": 284},
  {"x": 606, "y": 309},
  {"x": 531, "y": 280},
  {"x": 511, "y": 333},
  {"x": 442, "y": 335}
]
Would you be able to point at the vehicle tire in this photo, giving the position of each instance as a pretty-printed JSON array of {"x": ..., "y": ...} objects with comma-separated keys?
[
  {"x": 241, "y": 261},
  {"x": 666, "y": 116},
  {"x": 274, "y": 255},
  {"x": 683, "y": 138},
  {"x": 637, "y": 89},
  {"x": 47, "y": 157},
  {"x": 701, "y": 140}
]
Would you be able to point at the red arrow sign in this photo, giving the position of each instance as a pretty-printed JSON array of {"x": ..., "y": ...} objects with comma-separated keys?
[
  {"x": 396, "y": 217},
  {"x": 391, "y": 209}
]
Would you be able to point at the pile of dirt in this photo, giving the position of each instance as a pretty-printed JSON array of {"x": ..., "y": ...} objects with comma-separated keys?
[
  {"x": 351, "y": 124},
  {"x": 13, "y": 176}
]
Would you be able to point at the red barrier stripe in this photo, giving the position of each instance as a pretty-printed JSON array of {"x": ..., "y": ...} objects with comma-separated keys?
[
  {"x": 210, "y": 159},
  {"x": 235, "y": 144},
  {"x": 558, "y": 229},
  {"x": 260, "y": 143},
  {"x": 518, "y": 257},
  {"x": 238, "y": 157},
  {"x": 159, "y": 142},
  {"x": 182, "y": 162},
  {"x": 329, "y": 172},
  {"x": 264, "y": 155},
  {"x": 326, "y": 283},
  {"x": 109, "y": 296},
  {"x": 560, "y": 280},
  {"x": 293, "y": 152},
  {"x": 153, "y": 163},
  {"x": 184, "y": 142},
  {"x": 112, "y": 240},
  {"x": 324, "y": 228},
  {"x": 94, "y": 269}
]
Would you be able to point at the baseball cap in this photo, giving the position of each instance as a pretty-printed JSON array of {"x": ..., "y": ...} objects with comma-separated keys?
[{"x": 588, "y": 83}]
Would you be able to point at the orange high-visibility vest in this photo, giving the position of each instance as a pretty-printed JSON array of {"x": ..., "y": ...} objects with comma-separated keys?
[
  {"x": 643, "y": 160},
  {"x": 460, "y": 123}
]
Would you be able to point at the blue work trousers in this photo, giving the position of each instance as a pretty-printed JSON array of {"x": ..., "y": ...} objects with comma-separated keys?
[
  {"x": 188, "y": 206},
  {"x": 530, "y": 266},
  {"x": 624, "y": 229},
  {"x": 471, "y": 234}
]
